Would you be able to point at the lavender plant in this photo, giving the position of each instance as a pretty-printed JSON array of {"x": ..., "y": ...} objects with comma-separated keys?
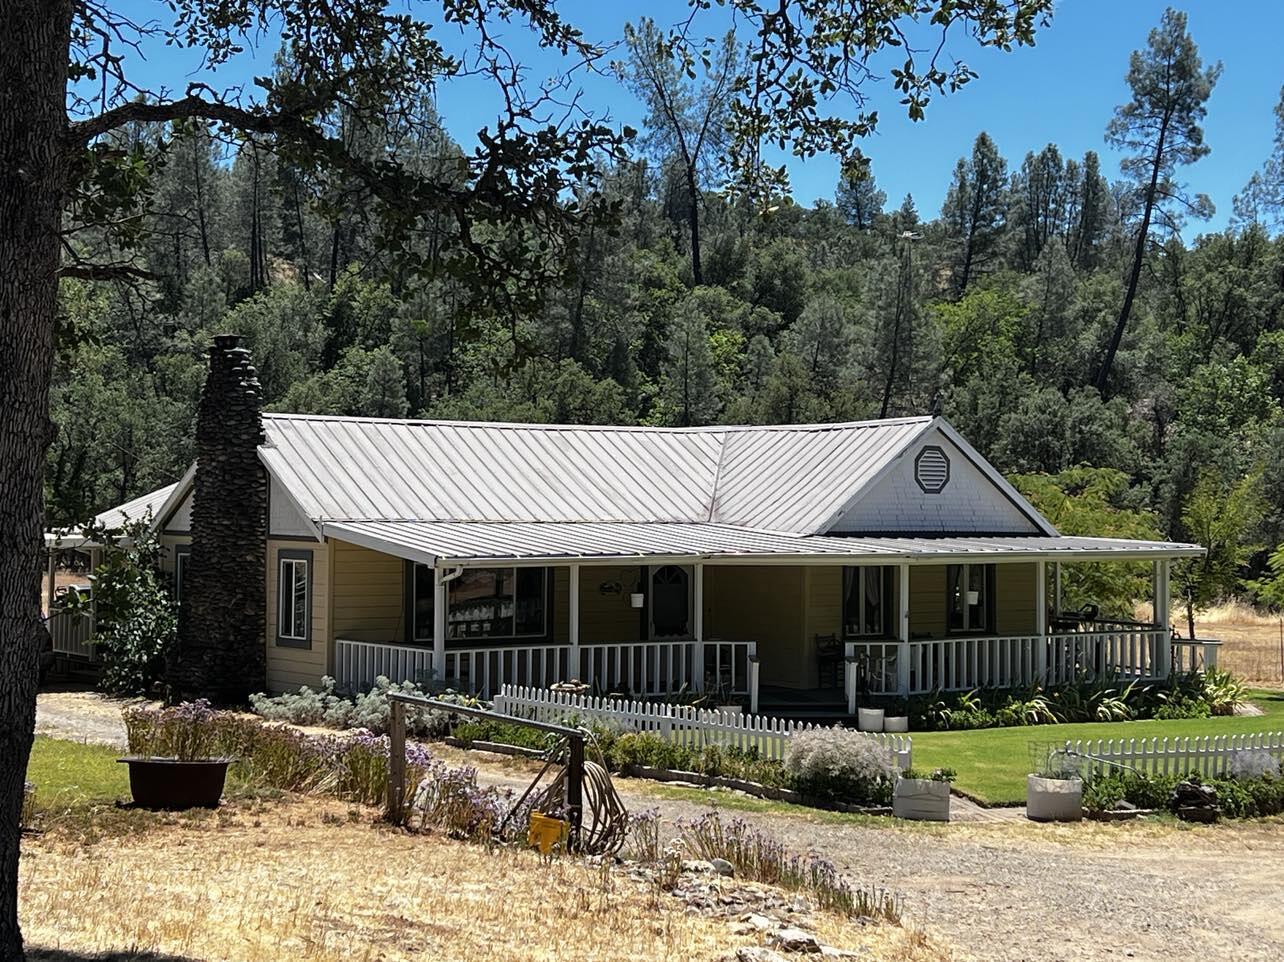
[
  {"x": 371, "y": 710},
  {"x": 761, "y": 858}
]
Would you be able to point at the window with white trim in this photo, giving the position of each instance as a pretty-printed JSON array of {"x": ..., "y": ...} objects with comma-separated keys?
[
  {"x": 969, "y": 597},
  {"x": 182, "y": 558},
  {"x": 867, "y": 596},
  {"x": 294, "y": 599}
]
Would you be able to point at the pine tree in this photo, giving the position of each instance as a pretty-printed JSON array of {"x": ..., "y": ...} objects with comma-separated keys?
[
  {"x": 690, "y": 385},
  {"x": 1160, "y": 129},
  {"x": 974, "y": 209},
  {"x": 858, "y": 198}
]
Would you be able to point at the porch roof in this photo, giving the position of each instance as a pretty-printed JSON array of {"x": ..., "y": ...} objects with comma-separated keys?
[{"x": 484, "y": 542}]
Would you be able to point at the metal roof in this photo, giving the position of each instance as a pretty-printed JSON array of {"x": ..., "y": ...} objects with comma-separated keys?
[
  {"x": 782, "y": 478},
  {"x": 465, "y": 542},
  {"x": 144, "y": 506}
]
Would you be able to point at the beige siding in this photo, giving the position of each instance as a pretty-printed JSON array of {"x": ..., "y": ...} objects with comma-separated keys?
[
  {"x": 562, "y": 599},
  {"x": 763, "y": 604},
  {"x": 288, "y": 668},
  {"x": 369, "y": 589}
]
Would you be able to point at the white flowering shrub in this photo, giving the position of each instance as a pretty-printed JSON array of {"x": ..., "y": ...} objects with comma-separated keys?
[
  {"x": 369, "y": 710},
  {"x": 1254, "y": 763},
  {"x": 841, "y": 764}
]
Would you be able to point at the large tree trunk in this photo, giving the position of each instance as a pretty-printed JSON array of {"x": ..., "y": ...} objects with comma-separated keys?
[{"x": 33, "y": 85}]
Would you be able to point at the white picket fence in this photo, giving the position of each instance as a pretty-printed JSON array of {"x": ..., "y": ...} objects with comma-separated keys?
[
  {"x": 1207, "y": 755},
  {"x": 697, "y": 727}
]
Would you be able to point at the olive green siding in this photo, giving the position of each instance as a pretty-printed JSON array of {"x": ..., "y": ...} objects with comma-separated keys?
[
  {"x": 369, "y": 590},
  {"x": 763, "y": 604}
]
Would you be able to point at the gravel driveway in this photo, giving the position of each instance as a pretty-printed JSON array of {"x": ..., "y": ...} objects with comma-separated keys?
[{"x": 1010, "y": 891}]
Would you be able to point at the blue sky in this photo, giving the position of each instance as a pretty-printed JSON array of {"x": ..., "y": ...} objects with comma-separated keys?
[{"x": 1063, "y": 91}]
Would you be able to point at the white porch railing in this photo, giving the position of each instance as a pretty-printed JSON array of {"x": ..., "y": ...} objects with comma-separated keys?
[
  {"x": 647, "y": 668},
  {"x": 358, "y": 663},
  {"x": 1194, "y": 655},
  {"x": 677, "y": 723},
  {"x": 967, "y": 662},
  {"x": 71, "y": 631}
]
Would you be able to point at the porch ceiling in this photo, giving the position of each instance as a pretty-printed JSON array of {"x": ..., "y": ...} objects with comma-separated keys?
[{"x": 483, "y": 542}]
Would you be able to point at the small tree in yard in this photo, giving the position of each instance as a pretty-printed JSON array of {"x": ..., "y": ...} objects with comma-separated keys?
[
  {"x": 1221, "y": 518},
  {"x": 1269, "y": 590},
  {"x": 136, "y": 623}
]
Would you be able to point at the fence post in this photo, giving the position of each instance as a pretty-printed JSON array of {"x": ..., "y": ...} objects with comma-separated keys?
[
  {"x": 575, "y": 789},
  {"x": 396, "y": 762}
]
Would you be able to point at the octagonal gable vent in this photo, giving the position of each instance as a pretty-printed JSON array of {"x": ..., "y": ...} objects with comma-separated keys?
[{"x": 932, "y": 469}]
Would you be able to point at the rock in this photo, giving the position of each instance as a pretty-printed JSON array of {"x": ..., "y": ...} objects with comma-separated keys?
[
  {"x": 697, "y": 866},
  {"x": 793, "y": 939},
  {"x": 755, "y": 953},
  {"x": 831, "y": 952},
  {"x": 722, "y": 866},
  {"x": 760, "y": 922}
]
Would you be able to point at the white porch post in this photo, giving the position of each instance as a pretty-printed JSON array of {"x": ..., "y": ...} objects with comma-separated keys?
[
  {"x": 697, "y": 626},
  {"x": 1056, "y": 587},
  {"x": 439, "y": 603},
  {"x": 573, "y": 652},
  {"x": 52, "y": 565},
  {"x": 1163, "y": 617},
  {"x": 903, "y": 629},
  {"x": 1041, "y": 621}
]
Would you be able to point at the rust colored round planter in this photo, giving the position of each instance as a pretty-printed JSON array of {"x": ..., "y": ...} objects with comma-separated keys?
[{"x": 174, "y": 784}]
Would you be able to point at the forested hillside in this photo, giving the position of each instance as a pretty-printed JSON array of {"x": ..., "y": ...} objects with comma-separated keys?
[{"x": 1051, "y": 310}]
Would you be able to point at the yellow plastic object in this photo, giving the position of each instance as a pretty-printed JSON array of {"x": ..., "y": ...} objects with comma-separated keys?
[{"x": 546, "y": 832}]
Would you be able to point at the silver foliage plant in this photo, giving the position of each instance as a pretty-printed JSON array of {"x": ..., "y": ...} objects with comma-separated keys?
[
  {"x": 839, "y": 763},
  {"x": 330, "y": 708}
]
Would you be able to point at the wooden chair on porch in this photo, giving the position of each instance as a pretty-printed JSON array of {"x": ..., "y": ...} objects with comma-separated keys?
[{"x": 829, "y": 661}]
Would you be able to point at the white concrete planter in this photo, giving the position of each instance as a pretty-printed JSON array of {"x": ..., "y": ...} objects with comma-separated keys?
[
  {"x": 869, "y": 719},
  {"x": 1053, "y": 799},
  {"x": 896, "y": 723},
  {"x": 921, "y": 799}
]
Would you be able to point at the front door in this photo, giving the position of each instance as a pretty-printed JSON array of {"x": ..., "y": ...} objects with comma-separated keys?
[{"x": 671, "y": 602}]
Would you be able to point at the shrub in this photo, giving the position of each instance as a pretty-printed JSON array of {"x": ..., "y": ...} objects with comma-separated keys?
[
  {"x": 1237, "y": 797},
  {"x": 135, "y": 621},
  {"x": 840, "y": 764},
  {"x": 369, "y": 710},
  {"x": 932, "y": 774}
]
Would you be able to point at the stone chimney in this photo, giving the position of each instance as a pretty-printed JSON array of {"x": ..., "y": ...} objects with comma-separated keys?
[{"x": 221, "y": 652}]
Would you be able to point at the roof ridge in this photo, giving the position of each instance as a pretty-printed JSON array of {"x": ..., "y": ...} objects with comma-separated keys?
[{"x": 630, "y": 428}]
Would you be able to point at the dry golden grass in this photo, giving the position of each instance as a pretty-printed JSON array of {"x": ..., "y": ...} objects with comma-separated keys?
[
  {"x": 1251, "y": 639},
  {"x": 316, "y": 881}
]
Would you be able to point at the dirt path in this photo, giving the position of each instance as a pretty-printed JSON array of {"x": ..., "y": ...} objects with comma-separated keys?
[
  {"x": 1014, "y": 891},
  {"x": 82, "y": 716},
  {"x": 1008, "y": 891}
]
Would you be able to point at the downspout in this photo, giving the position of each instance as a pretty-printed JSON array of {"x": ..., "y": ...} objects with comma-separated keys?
[{"x": 441, "y": 578}]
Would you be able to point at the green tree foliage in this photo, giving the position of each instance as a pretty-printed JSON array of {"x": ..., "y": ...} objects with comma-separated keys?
[
  {"x": 1222, "y": 517},
  {"x": 1097, "y": 502},
  {"x": 858, "y": 199},
  {"x": 136, "y": 623}
]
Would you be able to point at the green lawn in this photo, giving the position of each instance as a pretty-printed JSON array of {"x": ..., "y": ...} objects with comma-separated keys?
[
  {"x": 992, "y": 763},
  {"x": 69, "y": 774}
]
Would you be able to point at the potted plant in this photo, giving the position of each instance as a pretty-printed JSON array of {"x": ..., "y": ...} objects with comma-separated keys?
[
  {"x": 896, "y": 718},
  {"x": 1054, "y": 790},
  {"x": 173, "y": 761},
  {"x": 923, "y": 796}
]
